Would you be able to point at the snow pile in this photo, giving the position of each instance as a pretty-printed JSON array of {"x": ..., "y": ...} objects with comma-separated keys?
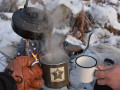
[
  {"x": 112, "y": 17},
  {"x": 73, "y": 40},
  {"x": 107, "y": 15},
  {"x": 1, "y": 1},
  {"x": 3, "y": 62},
  {"x": 74, "y": 5},
  {"x": 113, "y": 1},
  {"x": 7, "y": 35},
  {"x": 61, "y": 31},
  {"x": 100, "y": 36}
]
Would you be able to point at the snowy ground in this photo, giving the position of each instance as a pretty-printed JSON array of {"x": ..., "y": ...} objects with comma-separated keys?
[{"x": 101, "y": 47}]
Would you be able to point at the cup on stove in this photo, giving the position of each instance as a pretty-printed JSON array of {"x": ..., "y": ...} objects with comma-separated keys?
[{"x": 86, "y": 67}]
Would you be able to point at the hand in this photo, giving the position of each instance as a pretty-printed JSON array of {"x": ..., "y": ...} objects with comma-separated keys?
[
  {"x": 31, "y": 75},
  {"x": 34, "y": 1},
  {"x": 109, "y": 75}
]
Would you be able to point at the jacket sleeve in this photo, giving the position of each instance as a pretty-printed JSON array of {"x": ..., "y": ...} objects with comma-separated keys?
[{"x": 7, "y": 82}]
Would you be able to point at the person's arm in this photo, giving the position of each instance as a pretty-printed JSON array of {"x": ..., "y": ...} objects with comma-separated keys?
[{"x": 7, "y": 82}]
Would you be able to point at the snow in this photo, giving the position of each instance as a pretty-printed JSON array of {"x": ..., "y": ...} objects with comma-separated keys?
[
  {"x": 1, "y": 1},
  {"x": 112, "y": 16},
  {"x": 115, "y": 41},
  {"x": 118, "y": 10},
  {"x": 73, "y": 40},
  {"x": 113, "y": 1},
  {"x": 20, "y": 3},
  {"x": 3, "y": 62},
  {"x": 7, "y": 35},
  {"x": 103, "y": 44},
  {"x": 76, "y": 6},
  {"x": 106, "y": 14},
  {"x": 100, "y": 36},
  {"x": 100, "y": 18},
  {"x": 61, "y": 31},
  {"x": 9, "y": 15}
]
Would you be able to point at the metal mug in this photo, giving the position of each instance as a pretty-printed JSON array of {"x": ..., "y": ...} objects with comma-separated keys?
[
  {"x": 86, "y": 66},
  {"x": 55, "y": 75}
]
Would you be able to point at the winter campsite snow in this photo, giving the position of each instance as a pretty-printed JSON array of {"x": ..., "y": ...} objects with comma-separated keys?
[{"x": 102, "y": 14}]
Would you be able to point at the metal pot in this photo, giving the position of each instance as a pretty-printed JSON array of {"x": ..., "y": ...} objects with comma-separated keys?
[{"x": 55, "y": 75}]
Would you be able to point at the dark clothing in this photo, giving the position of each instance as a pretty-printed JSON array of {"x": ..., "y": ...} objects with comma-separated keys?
[
  {"x": 101, "y": 87},
  {"x": 7, "y": 82},
  {"x": 107, "y": 61}
]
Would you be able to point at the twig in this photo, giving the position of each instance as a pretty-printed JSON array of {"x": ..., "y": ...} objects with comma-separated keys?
[
  {"x": 3, "y": 64},
  {"x": 6, "y": 55},
  {"x": 90, "y": 22},
  {"x": 2, "y": 57}
]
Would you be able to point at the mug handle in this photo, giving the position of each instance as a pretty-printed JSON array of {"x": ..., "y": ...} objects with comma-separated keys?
[
  {"x": 96, "y": 69},
  {"x": 34, "y": 63}
]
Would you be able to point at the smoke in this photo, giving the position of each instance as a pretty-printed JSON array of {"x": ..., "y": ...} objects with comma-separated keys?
[
  {"x": 60, "y": 17},
  {"x": 57, "y": 17},
  {"x": 55, "y": 52},
  {"x": 53, "y": 48}
]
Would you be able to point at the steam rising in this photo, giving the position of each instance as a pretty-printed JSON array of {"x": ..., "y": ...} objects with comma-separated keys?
[
  {"x": 57, "y": 16},
  {"x": 55, "y": 52},
  {"x": 55, "y": 47},
  {"x": 60, "y": 17}
]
